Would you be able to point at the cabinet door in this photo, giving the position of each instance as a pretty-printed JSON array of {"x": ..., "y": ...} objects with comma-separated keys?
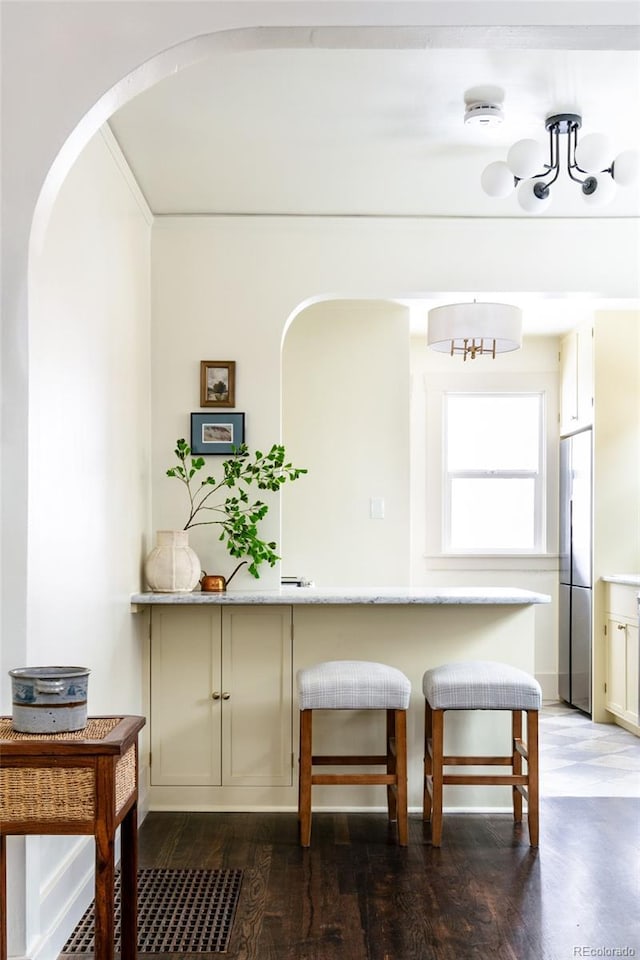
[
  {"x": 257, "y": 696},
  {"x": 576, "y": 379},
  {"x": 616, "y": 666},
  {"x": 633, "y": 676},
  {"x": 585, "y": 375},
  {"x": 184, "y": 716},
  {"x": 569, "y": 383}
]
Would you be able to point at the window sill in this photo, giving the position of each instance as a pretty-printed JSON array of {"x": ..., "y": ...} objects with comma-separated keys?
[{"x": 491, "y": 556}]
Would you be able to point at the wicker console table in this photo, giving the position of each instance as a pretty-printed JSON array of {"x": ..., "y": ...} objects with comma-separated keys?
[{"x": 77, "y": 783}]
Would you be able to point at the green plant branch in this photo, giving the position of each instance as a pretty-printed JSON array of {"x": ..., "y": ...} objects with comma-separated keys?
[{"x": 240, "y": 518}]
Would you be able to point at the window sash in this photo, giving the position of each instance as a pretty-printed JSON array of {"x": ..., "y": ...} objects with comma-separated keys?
[{"x": 536, "y": 475}]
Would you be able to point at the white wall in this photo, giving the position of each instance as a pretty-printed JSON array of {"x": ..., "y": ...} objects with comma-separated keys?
[
  {"x": 345, "y": 416},
  {"x": 89, "y": 437}
]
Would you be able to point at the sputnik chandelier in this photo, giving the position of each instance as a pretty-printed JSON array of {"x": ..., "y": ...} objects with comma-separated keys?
[{"x": 588, "y": 164}]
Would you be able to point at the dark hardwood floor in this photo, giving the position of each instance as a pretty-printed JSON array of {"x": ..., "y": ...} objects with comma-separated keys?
[{"x": 484, "y": 895}]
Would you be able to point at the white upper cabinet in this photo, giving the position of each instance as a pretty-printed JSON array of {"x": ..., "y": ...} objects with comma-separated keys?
[{"x": 576, "y": 379}]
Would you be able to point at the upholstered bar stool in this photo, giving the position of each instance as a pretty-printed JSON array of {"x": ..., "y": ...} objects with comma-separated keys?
[
  {"x": 355, "y": 685},
  {"x": 481, "y": 685}
]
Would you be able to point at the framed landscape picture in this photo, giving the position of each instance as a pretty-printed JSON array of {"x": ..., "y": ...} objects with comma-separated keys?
[
  {"x": 217, "y": 383},
  {"x": 213, "y": 433}
]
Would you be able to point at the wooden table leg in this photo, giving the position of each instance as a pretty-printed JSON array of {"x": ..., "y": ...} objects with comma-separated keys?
[
  {"x": 3, "y": 897},
  {"x": 129, "y": 884},
  {"x": 104, "y": 896}
]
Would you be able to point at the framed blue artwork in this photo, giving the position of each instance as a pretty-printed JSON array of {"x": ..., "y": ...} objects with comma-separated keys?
[{"x": 214, "y": 433}]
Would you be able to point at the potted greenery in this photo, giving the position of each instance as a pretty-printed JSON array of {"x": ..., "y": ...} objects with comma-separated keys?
[{"x": 226, "y": 502}]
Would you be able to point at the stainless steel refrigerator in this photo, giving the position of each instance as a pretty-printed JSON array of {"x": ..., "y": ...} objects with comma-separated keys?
[{"x": 575, "y": 601}]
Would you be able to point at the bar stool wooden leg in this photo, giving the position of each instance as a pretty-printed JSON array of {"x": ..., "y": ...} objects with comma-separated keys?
[
  {"x": 392, "y": 793},
  {"x": 516, "y": 766},
  {"x": 436, "y": 799},
  {"x": 304, "y": 806},
  {"x": 400, "y": 722},
  {"x": 532, "y": 776},
  {"x": 428, "y": 761}
]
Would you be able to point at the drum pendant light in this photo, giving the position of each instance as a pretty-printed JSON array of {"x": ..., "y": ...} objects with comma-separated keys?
[{"x": 475, "y": 329}]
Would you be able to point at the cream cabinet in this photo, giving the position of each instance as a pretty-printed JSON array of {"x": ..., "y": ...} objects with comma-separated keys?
[
  {"x": 221, "y": 696},
  {"x": 623, "y": 678},
  {"x": 576, "y": 379}
]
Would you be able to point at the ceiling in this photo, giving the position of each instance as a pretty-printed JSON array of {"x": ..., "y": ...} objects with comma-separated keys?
[{"x": 349, "y": 129}]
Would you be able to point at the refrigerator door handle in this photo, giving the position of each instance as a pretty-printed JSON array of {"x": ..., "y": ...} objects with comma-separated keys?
[{"x": 571, "y": 540}]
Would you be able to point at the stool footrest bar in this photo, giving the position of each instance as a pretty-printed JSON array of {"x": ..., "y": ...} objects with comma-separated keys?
[
  {"x": 505, "y": 780},
  {"x": 477, "y": 761},
  {"x": 358, "y": 761},
  {"x": 384, "y": 779}
]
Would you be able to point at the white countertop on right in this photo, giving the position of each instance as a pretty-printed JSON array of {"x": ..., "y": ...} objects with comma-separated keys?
[{"x": 630, "y": 579}]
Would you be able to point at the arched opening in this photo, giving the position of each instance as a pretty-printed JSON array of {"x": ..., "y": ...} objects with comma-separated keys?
[{"x": 346, "y": 417}]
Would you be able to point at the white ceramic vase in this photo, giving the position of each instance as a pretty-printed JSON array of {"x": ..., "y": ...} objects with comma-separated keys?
[{"x": 172, "y": 566}]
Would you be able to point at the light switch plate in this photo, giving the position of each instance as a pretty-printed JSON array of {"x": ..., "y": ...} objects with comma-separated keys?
[{"x": 376, "y": 508}]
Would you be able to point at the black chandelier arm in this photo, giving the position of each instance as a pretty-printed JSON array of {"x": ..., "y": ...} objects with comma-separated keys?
[
  {"x": 554, "y": 163},
  {"x": 534, "y": 176},
  {"x": 572, "y": 143},
  {"x": 554, "y": 148},
  {"x": 552, "y": 167}
]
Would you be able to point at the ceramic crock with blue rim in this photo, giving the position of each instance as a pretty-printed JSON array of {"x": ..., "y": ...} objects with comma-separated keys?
[{"x": 49, "y": 699}]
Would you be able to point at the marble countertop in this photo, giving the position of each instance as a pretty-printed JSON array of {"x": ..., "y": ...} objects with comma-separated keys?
[
  {"x": 630, "y": 579},
  {"x": 352, "y": 595}
]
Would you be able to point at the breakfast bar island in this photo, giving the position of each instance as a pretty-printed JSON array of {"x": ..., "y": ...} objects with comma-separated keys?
[{"x": 221, "y": 693}]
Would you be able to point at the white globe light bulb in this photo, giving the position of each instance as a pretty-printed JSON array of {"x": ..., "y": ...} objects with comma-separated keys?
[
  {"x": 593, "y": 153},
  {"x": 526, "y": 158},
  {"x": 529, "y": 201},
  {"x": 626, "y": 167},
  {"x": 497, "y": 179},
  {"x": 604, "y": 192}
]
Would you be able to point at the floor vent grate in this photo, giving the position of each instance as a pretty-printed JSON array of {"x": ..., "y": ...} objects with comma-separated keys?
[{"x": 179, "y": 911}]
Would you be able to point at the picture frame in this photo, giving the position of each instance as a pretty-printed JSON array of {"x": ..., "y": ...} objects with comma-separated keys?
[
  {"x": 216, "y": 433},
  {"x": 217, "y": 383}
]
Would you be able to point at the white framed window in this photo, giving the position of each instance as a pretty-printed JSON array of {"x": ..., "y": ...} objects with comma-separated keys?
[{"x": 494, "y": 476}]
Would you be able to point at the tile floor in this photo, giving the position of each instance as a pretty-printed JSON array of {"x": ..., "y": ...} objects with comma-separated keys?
[{"x": 579, "y": 758}]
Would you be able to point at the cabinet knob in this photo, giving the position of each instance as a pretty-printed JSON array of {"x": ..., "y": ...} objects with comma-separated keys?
[
  {"x": 215, "y": 695},
  {"x": 622, "y": 626},
  {"x": 225, "y": 695}
]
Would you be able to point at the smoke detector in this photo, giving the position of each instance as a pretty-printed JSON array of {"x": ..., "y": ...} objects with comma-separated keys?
[{"x": 484, "y": 114}]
